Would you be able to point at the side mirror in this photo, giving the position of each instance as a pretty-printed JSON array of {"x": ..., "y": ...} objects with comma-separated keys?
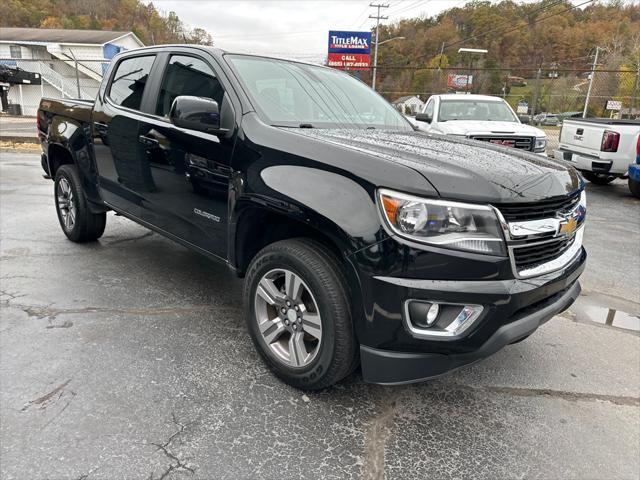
[
  {"x": 424, "y": 117},
  {"x": 196, "y": 113}
]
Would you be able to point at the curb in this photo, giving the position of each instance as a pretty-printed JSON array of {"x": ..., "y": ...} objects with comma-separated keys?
[{"x": 19, "y": 139}]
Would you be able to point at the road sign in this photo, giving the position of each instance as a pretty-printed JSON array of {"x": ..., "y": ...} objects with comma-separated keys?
[
  {"x": 459, "y": 82},
  {"x": 614, "y": 105},
  {"x": 349, "y": 50}
]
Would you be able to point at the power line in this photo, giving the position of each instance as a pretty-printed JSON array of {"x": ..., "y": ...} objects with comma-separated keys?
[
  {"x": 362, "y": 15},
  {"x": 404, "y": 7}
]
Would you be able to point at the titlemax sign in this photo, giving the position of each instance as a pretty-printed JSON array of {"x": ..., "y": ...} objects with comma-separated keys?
[{"x": 349, "y": 42}]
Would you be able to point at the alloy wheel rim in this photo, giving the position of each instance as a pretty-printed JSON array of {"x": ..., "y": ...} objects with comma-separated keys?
[
  {"x": 66, "y": 204},
  {"x": 288, "y": 317}
]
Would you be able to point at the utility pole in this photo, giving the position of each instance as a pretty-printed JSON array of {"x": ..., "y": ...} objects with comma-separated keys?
[
  {"x": 377, "y": 18},
  {"x": 634, "y": 99},
  {"x": 440, "y": 58},
  {"x": 536, "y": 92},
  {"x": 593, "y": 74}
]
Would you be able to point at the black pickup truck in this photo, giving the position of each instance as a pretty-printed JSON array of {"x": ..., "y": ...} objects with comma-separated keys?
[{"x": 361, "y": 240}]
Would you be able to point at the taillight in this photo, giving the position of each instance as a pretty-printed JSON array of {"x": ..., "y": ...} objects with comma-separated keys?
[
  {"x": 610, "y": 141},
  {"x": 638, "y": 150},
  {"x": 38, "y": 121}
]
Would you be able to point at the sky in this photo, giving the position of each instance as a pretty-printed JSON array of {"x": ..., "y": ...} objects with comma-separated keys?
[{"x": 291, "y": 28}]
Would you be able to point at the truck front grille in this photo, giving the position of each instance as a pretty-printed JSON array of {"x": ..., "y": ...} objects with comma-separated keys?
[
  {"x": 518, "y": 212},
  {"x": 530, "y": 256},
  {"x": 521, "y": 143},
  {"x": 543, "y": 236}
]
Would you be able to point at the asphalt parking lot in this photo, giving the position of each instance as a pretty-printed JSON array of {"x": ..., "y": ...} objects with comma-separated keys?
[{"x": 128, "y": 358}]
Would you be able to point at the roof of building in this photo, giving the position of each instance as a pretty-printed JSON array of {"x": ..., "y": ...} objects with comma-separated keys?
[
  {"x": 405, "y": 98},
  {"x": 58, "y": 35}
]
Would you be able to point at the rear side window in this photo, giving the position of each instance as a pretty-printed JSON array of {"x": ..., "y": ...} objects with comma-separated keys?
[
  {"x": 187, "y": 76},
  {"x": 129, "y": 80}
]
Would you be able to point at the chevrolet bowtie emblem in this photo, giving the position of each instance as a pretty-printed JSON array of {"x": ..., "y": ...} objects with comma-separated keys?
[{"x": 568, "y": 227}]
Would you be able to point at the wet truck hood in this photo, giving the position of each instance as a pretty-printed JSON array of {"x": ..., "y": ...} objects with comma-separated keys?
[{"x": 461, "y": 169}]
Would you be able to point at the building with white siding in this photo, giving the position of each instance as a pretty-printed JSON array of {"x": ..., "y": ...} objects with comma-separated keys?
[{"x": 56, "y": 54}]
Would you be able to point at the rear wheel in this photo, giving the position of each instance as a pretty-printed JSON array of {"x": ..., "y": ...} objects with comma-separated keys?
[
  {"x": 634, "y": 187},
  {"x": 599, "y": 178},
  {"x": 78, "y": 223},
  {"x": 298, "y": 314}
]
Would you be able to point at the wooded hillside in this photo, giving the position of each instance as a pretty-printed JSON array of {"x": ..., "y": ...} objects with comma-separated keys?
[
  {"x": 149, "y": 24},
  {"x": 548, "y": 33}
]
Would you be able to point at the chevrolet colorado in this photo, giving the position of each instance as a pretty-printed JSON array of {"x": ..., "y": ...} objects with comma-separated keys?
[{"x": 361, "y": 240}]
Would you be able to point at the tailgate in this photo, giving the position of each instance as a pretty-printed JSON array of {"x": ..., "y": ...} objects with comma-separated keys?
[{"x": 581, "y": 137}]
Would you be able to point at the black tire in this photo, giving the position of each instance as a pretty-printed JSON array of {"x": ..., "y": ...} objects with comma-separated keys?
[
  {"x": 634, "y": 187},
  {"x": 87, "y": 226},
  {"x": 337, "y": 354},
  {"x": 599, "y": 178}
]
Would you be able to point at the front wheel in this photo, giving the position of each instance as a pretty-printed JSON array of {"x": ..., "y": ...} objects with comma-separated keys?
[
  {"x": 78, "y": 223},
  {"x": 634, "y": 187},
  {"x": 598, "y": 178},
  {"x": 298, "y": 314}
]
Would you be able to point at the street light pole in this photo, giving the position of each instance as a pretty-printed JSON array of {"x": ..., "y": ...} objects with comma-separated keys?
[
  {"x": 593, "y": 74},
  {"x": 377, "y": 18},
  {"x": 471, "y": 52}
]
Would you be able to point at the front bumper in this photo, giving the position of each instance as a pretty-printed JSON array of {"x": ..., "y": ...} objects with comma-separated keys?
[
  {"x": 512, "y": 308},
  {"x": 388, "y": 368}
]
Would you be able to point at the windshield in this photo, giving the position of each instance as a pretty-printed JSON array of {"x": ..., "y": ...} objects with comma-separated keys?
[
  {"x": 475, "y": 110},
  {"x": 298, "y": 95}
]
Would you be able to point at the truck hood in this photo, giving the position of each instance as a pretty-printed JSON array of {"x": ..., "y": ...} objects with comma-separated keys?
[
  {"x": 458, "y": 168},
  {"x": 479, "y": 127}
]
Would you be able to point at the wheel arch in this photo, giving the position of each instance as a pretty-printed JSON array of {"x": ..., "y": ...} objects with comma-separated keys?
[
  {"x": 257, "y": 226},
  {"x": 68, "y": 143}
]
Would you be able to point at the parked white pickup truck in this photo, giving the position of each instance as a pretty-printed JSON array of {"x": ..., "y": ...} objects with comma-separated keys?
[
  {"x": 479, "y": 117},
  {"x": 601, "y": 148}
]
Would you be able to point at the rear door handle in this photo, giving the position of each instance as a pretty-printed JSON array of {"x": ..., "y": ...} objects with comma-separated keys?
[{"x": 148, "y": 141}]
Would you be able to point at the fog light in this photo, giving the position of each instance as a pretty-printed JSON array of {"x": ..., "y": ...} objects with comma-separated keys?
[
  {"x": 432, "y": 314},
  {"x": 433, "y": 320}
]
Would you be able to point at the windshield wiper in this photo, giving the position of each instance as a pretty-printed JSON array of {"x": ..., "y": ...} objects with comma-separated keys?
[{"x": 306, "y": 125}]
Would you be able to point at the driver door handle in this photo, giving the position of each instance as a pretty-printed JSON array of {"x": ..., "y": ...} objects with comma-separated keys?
[{"x": 148, "y": 141}]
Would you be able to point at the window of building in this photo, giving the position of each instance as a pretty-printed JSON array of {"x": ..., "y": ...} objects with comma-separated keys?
[{"x": 15, "y": 51}]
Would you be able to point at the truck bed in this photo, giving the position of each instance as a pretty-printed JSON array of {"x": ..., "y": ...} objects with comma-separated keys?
[
  {"x": 603, "y": 121},
  {"x": 76, "y": 109}
]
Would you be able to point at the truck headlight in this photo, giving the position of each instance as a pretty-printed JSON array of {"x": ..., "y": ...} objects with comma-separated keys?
[
  {"x": 460, "y": 226},
  {"x": 541, "y": 144}
]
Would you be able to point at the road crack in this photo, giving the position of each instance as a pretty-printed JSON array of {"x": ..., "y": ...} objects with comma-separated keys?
[
  {"x": 177, "y": 464},
  {"x": 560, "y": 394},
  {"x": 48, "y": 398},
  {"x": 51, "y": 313}
]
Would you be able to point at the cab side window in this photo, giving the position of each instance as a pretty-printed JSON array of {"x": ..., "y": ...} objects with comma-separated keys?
[
  {"x": 429, "y": 108},
  {"x": 129, "y": 80},
  {"x": 187, "y": 76}
]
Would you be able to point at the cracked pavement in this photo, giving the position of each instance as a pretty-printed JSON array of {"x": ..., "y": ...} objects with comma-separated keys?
[{"x": 129, "y": 358}]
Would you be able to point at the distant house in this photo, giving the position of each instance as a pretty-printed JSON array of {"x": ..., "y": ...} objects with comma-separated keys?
[
  {"x": 52, "y": 54},
  {"x": 408, "y": 104}
]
